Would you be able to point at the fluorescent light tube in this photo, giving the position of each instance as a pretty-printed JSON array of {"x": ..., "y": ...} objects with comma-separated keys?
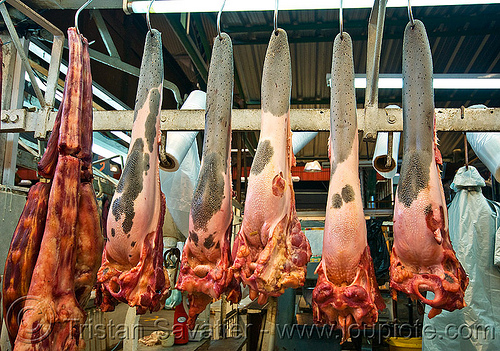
[
  {"x": 440, "y": 81},
  {"x": 179, "y": 6}
]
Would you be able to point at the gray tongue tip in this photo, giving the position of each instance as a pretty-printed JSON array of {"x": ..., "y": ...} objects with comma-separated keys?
[
  {"x": 277, "y": 75},
  {"x": 417, "y": 28},
  {"x": 344, "y": 37},
  {"x": 278, "y": 45}
]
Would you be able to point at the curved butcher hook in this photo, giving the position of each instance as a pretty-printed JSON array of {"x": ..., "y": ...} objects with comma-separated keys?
[
  {"x": 410, "y": 15},
  {"x": 276, "y": 17},
  {"x": 78, "y": 14},
  {"x": 218, "y": 19},
  {"x": 341, "y": 19},
  {"x": 165, "y": 162},
  {"x": 148, "y": 20}
]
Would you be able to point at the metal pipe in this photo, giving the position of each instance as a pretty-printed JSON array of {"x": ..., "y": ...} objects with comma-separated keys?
[
  {"x": 29, "y": 149},
  {"x": 104, "y": 176},
  {"x": 109, "y": 159}
]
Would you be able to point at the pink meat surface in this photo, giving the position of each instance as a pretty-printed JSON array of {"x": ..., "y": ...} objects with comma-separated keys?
[
  {"x": 132, "y": 264},
  {"x": 422, "y": 256},
  {"x": 206, "y": 257},
  {"x": 346, "y": 294},
  {"x": 271, "y": 251}
]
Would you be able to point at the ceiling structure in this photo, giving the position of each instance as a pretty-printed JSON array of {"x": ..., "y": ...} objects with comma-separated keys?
[{"x": 463, "y": 39}]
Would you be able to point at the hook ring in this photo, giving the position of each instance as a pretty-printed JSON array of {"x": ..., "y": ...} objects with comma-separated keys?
[
  {"x": 78, "y": 14},
  {"x": 218, "y": 19}
]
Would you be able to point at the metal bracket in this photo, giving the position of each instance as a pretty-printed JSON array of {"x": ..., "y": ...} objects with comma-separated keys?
[
  {"x": 13, "y": 120},
  {"x": 44, "y": 123},
  {"x": 374, "y": 47},
  {"x": 126, "y": 7}
]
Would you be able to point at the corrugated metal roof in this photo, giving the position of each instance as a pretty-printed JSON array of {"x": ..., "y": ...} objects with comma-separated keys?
[{"x": 464, "y": 39}]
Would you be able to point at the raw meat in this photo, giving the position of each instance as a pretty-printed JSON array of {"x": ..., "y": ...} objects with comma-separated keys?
[
  {"x": 132, "y": 263},
  {"x": 53, "y": 317},
  {"x": 346, "y": 293},
  {"x": 206, "y": 257},
  {"x": 422, "y": 256},
  {"x": 89, "y": 243},
  {"x": 65, "y": 212},
  {"x": 89, "y": 239},
  {"x": 271, "y": 251},
  {"x": 23, "y": 254}
]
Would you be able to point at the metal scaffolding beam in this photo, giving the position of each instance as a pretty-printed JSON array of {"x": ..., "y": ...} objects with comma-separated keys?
[{"x": 447, "y": 119}]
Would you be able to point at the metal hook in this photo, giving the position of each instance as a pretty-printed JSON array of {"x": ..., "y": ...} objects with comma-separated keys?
[
  {"x": 148, "y": 20},
  {"x": 78, "y": 14},
  {"x": 410, "y": 15},
  {"x": 218, "y": 19},
  {"x": 341, "y": 19},
  {"x": 276, "y": 17}
]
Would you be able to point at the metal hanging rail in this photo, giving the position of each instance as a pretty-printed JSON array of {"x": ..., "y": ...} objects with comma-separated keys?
[{"x": 387, "y": 120}]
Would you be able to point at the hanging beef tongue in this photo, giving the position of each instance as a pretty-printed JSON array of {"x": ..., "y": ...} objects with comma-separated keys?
[
  {"x": 206, "y": 256},
  {"x": 346, "y": 293},
  {"x": 271, "y": 251},
  {"x": 132, "y": 264},
  {"x": 422, "y": 256}
]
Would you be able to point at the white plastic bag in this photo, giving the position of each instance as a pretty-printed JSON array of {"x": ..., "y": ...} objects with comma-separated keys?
[
  {"x": 178, "y": 188},
  {"x": 487, "y": 148}
]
